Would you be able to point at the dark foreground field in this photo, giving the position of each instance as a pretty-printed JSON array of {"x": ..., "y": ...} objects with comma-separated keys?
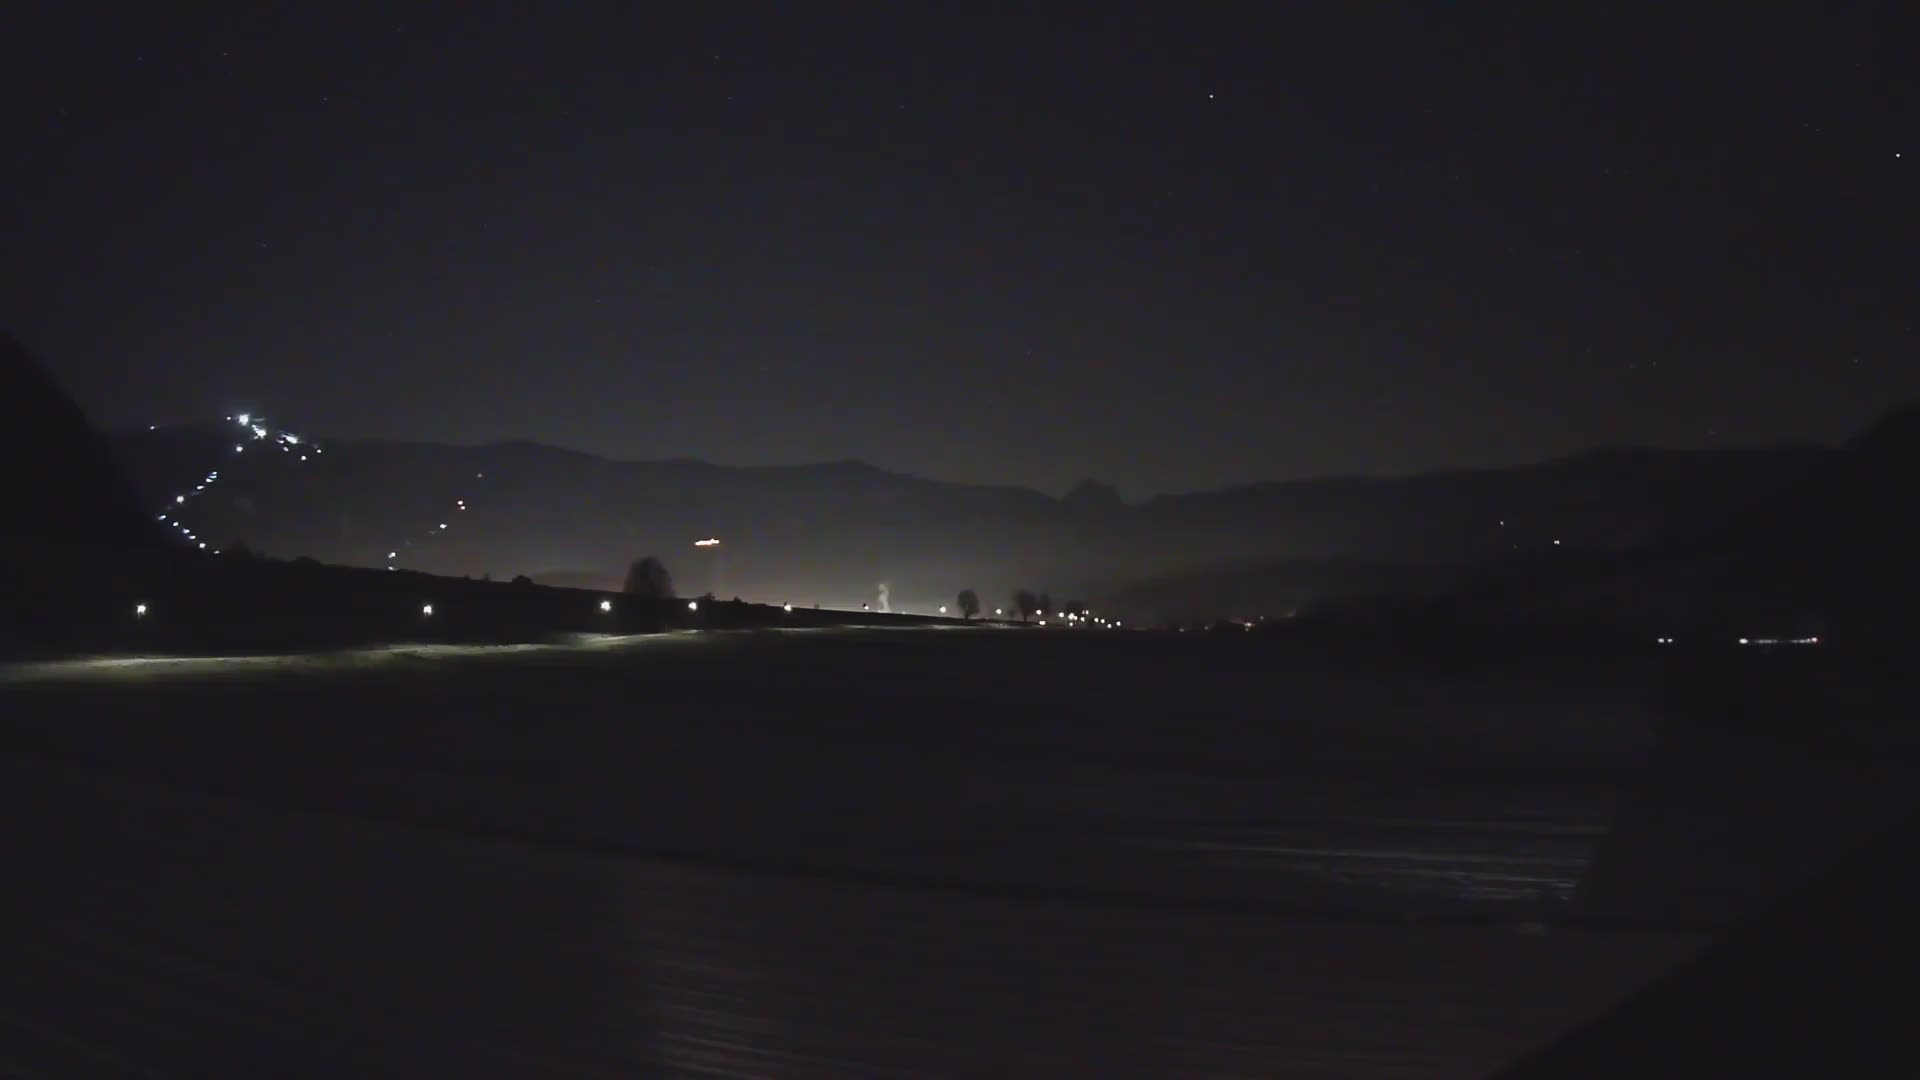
[{"x": 933, "y": 852}]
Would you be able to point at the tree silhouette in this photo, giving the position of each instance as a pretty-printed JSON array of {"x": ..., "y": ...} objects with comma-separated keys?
[
  {"x": 1046, "y": 604},
  {"x": 648, "y": 578},
  {"x": 969, "y": 603},
  {"x": 1026, "y": 603}
]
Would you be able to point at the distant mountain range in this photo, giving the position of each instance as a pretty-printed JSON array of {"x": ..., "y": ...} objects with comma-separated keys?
[{"x": 831, "y": 533}]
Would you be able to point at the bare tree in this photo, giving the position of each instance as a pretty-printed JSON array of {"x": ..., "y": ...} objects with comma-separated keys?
[
  {"x": 969, "y": 603},
  {"x": 648, "y": 578},
  {"x": 1027, "y": 603}
]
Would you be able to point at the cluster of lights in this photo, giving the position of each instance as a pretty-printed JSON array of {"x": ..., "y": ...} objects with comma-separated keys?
[
  {"x": 1669, "y": 641},
  {"x": 1080, "y": 619},
  {"x": 286, "y": 441},
  {"x": 1780, "y": 641}
]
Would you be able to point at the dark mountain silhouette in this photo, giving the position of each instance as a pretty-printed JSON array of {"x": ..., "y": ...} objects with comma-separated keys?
[
  {"x": 1827, "y": 552},
  {"x": 1838, "y": 547},
  {"x": 831, "y": 532},
  {"x": 72, "y": 513},
  {"x": 1093, "y": 496}
]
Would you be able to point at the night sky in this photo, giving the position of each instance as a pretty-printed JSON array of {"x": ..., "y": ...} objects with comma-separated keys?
[{"x": 1169, "y": 251}]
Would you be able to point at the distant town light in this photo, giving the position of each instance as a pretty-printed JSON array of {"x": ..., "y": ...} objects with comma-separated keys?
[
  {"x": 139, "y": 611},
  {"x": 427, "y": 610},
  {"x": 1743, "y": 641},
  {"x": 606, "y": 605},
  {"x": 203, "y": 545},
  {"x": 943, "y": 609},
  {"x": 179, "y": 499},
  {"x": 1556, "y": 543},
  {"x": 786, "y": 607},
  {"x": 244, "y": 419},
  {"x": 693, "y": 605},
  {"x": 711, "y": 541},
  {"x": 997, "y": 611},
  {"x": 238, "y": 449},
  {"x": 393, "y": 554}
]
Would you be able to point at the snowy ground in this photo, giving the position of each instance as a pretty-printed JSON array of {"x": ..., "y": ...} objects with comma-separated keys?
[{"x": 829, "y": 852}]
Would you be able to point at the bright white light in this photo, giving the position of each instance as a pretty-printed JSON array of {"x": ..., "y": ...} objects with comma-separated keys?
[
  {"x": 238, "y": 449},
  {"x": 244, "y": 418},
  {"x": 426, "y": 609},
  {"x": 1743, "y": 641},
  {"x": 303, "y": 457},
  {"x": 606, "y": 605},
  {"x": 139, "y": 611},
  {"x": 786, "y": 607},
  {"x": 393, "y": 554},
  {"x": 943, "y": 609},
  {"x": 1043, "y": 622},
  {"x": 711, "y": 541},
  {"x": 443, "y": 524},
  {"x": 177, "y": 499},
  {"x": 292, "y": 438},
  {"x": 259, "y": 432},
  {"x": 997, "y": 611},
  {"x": 1556, "y": 543},
  {"x": 693, "y": 605},
  {"x": 203, "y": 545},
  {"x": 153, "y": 427}
]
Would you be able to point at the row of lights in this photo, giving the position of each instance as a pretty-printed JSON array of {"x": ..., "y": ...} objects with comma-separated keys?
[
  {"x": 292, "y": 444},
  {"x": 1756, "y": 641},
  {"x": 287, "y": 441},
  {"x": 459, "y": 507}
]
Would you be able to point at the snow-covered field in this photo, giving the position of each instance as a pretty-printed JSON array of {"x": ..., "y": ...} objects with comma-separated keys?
[{"x": 841, "y": 851}]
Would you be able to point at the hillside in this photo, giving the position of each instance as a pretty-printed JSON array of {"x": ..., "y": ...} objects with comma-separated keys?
[
  {"x": 831, "y": 532},
  {"x": 71, "y": 510}
]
